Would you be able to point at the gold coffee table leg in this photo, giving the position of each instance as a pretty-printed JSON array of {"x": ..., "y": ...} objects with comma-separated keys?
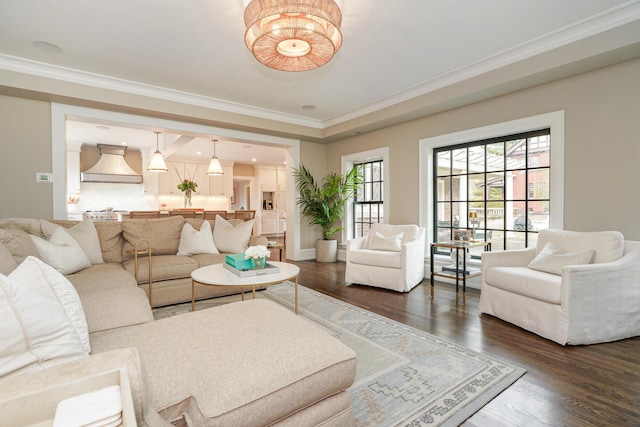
[
  {"x": 193, "y": 295},
  {"x": 296, "y": 294}
]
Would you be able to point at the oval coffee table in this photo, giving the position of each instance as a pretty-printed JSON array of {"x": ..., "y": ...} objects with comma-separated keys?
[{"x": 218, "y": 275}]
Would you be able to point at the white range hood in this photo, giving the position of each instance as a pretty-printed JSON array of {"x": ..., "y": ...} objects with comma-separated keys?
[{"x": 112, "y": 167}]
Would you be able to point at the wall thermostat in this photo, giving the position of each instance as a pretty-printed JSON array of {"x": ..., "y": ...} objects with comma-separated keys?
[{"x": 43, "y": 177}]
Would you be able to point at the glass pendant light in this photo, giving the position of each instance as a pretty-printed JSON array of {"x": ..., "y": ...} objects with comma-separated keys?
[
  {"x": 214, "y": 166},
  {"x": 157, "y": 163}
]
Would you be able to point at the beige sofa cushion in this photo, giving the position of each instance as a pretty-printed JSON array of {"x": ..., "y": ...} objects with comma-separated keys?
[
  {"x": 19, "y": 243},
  {"x": 111, "y": 240},
  {"x": 164, "y": 267},
  {"x": 7, "y": 263},
  {"x": 28, "y": 225},
  {"x": 163, "y": 233},
  {"x": 110, "y": 297},
  {"x": 246, "y": 363},
  {"x": 209, "y": 259}
]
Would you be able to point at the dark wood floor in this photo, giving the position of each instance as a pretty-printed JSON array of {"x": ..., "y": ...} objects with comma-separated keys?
[{"x": 596, "y": 385}]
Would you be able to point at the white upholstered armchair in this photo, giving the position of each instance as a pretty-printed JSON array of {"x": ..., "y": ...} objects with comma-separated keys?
[
  {"x": 563, "y": 295},
  {"x": 389, "y": 256}
]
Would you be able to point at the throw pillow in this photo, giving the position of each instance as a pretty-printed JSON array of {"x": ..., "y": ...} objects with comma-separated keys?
[
  {"x": 230, "y": 239},
  {"x": 111, "y": 240},
  {"x": 85, "y": 234},
  {"x": 62, "y": 252},
  {"x": 551, "y": 259},
  {"x": 162, "y": 233},
  {"x": 28, "y": 225},
  {"x": 35, "y": 332},
  {"x": 43, "y": 279},
  {"x": 19, "y": 244},
  {"x": 194, "y": 241},
  {"x": 379, "y": 242},
  {"x": 7, "y": 263}
]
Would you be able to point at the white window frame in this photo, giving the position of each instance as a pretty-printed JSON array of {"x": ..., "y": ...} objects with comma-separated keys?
[
  {"x": 554, "y": 121},
  {"x": 348, "y": 160}
]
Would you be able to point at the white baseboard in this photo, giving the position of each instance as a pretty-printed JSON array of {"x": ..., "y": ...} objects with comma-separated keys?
[{"x": 307, "y": 254}]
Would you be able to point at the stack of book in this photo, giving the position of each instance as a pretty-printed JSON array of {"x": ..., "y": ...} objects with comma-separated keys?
[{"x": 451, "y": 268}]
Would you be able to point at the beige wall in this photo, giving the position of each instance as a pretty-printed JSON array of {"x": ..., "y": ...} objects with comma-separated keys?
[
  {"x": 313, "y": 157},
  {"x": 25, "y": 149},
  {"x": 602, "y": 146},
  {"x": 601, "y": 150},
  {"x": 240, "y": 169}
]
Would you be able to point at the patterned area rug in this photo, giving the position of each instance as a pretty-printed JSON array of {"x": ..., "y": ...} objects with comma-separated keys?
[{"x": 404, "y": 376}]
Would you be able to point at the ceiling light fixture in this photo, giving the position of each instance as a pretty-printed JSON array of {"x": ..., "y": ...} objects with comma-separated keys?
[
  {"x": 214, "y": 166},
  {"x": 157, "y": 163},
  {"x": 293, "y": 35}
]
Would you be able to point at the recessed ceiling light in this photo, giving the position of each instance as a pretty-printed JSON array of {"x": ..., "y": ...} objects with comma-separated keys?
[
  {"x": 46, "y": 46},
  {"x": 123, "y": 143},
  {"x": 254, "y": 160},
  {"x": 198, "y": 152},
  {"x": 308, "y": 107}
]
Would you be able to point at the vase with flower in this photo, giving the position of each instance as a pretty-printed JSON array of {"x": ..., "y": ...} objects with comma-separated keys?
[
  {"x": 258, "y": 255},
  {"x": 187, "y": 186}
]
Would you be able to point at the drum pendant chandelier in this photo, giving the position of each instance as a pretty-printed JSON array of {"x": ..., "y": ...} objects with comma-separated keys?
[{"x": 293, "y": 35}]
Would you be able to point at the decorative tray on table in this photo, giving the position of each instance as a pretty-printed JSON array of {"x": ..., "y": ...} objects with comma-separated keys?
[{"x": 249, "y": 272}]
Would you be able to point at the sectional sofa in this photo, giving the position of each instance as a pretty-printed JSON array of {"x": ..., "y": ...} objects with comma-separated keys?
[
  {"x": 171, "y": 264},
  {"x": 247, "y": 363}
]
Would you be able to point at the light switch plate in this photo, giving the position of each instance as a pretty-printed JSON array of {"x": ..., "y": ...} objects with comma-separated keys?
[{"x": 43, "y": 177}]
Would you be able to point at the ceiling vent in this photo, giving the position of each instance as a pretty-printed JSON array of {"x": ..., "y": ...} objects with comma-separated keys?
[{"x": 112, "y": 167}]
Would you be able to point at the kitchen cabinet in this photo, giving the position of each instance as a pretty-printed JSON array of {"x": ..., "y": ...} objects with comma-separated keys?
[
  {"x": 197, "y": 172},
  {"x": 207, "y": 185},
  {"x": 273, "y": 178},
  {"x": 281, "y": 179},
  {"x": 168, "y": 182},
  {"x": 272, "y": 183},
  {"x": 268, "y": 179},
  {"x": 268, "y": 223},
  {"x": 73, "y": 172},
  {"x": 281, "y": 203},
  {"x": 222, "y": 185}
]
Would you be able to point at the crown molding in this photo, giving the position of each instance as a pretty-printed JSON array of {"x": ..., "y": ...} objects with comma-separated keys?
[
  {"x": 55, "y": 72},
  {"x": 623, "y": 14}
]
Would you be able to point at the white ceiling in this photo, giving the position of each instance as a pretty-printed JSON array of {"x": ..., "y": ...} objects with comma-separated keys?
[
  {"x": 174, "y": 147},
  {"x": 393, "y": 53}
]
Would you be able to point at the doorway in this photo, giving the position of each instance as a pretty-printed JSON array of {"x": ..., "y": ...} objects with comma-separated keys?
[{"x": 242, "y": 191}]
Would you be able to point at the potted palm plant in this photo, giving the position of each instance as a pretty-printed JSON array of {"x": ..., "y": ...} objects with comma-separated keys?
[{"x": 323, "y": 204}]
